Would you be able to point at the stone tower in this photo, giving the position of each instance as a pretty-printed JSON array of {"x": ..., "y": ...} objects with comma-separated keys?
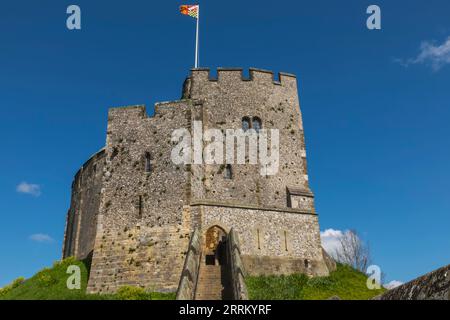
[{"x": 133, "y": 209}]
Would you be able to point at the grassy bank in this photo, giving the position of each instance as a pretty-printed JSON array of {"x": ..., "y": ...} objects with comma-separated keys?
[
  {"x": 51, "y": 284},
  {"x": 346, "y": 283}
]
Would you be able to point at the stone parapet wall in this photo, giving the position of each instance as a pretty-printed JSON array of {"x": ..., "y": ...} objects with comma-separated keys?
[
  {"x": 237, "y": 270},
  {"x": 432, "y": 286},
  {"x": 189, "y": 275}
]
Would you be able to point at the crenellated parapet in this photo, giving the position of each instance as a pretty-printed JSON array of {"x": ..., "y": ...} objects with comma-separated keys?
[
  {"x": 235, "y": 77},
  {"x": 237, "y": 74}
]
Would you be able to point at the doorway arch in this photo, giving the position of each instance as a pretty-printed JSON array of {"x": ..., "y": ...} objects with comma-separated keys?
[
  {"x": 214, "y": 277},
  {"x": 215, "y": 246}
]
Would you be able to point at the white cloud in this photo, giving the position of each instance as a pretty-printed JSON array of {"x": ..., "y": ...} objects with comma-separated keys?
[
  {"x": 331, "y": 240},
  {"x": 40, "y": 237},
  {"x": 393, "y": 284},
  {"x": 431, "y": 54},
  {"x": 29, "y": 188}
]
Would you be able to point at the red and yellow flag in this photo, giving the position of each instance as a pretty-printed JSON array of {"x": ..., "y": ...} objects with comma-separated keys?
[{"x": 190, "y": 10}]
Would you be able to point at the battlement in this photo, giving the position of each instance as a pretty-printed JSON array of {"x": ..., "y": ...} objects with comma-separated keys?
[
  {"x": 135, "y": 112},
  {"x": 139, "y": 112},
  {"x": 236, "y": 74}
]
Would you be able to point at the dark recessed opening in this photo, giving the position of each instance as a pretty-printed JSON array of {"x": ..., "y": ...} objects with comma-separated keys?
[{"x": 210, "y": 259}]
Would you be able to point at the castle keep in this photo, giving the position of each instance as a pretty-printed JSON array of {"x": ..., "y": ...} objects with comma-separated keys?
[{"x": 134, "y": 212}]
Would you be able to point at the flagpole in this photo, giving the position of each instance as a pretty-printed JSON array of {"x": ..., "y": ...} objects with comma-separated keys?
[{"x": 196, "y": 37}]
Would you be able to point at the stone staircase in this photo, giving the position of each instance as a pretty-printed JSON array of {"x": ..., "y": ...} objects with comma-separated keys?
[
  {"x": 217, "y": 276},
  {"x": 209, "y": 285}
]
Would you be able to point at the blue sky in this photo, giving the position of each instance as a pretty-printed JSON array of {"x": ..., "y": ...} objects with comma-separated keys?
[{"x": 376, "y": 108}]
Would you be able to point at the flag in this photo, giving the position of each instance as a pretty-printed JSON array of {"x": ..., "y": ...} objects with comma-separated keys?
[
  {"x": 193, "y": 10},
  {"x": 190, "y": 10}
]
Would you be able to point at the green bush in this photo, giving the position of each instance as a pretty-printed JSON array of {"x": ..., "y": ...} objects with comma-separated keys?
[
  {"x": 46, "y": 278},
  {"x": 163, "y": 296},
  {"x": 136, "y": 293},
  {"x": 11, "y": 286},
  {"x": 132, "y": 293}
]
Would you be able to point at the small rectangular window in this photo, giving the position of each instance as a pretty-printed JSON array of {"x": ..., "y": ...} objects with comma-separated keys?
[
  {"x": 148, "y": 163},
  {"x": 228, "y": 172},
  {"x": 140, "y": 206},
  {"x": 285, "y": 241},
  {"x": 258, "y": 239},
  {"x": 256, "y": 124}
]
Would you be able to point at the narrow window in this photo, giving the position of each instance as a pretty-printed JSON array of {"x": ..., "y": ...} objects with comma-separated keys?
[
  {"x": 257, "y": 235},
  {"x": 148, "y": 162},
  {"x": 256, "y": 124},
  {"x": 245, "y": 123},
  {"x": 285, "y": 241},
  {"x": 228, "y": 172},
  {"x": 289, "y": 199},
  {"x": 140, "y": 206}
]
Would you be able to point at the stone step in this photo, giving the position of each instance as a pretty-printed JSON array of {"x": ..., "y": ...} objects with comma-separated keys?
[
  {"x": 214, "y": 272},
  {"x": 210, "y": 268},
  {"x": 209, "y": 287},
  {"x": 209, "y": 297},
  {"x": 209, "y": 294},
  {"x": 209, "y": 283},
  {"x": 209, "y": 276}
]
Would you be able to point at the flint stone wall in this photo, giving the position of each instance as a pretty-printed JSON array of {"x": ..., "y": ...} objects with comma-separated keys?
[
  {"x": 121, "y": 206},
  {"x": 432, "y": 286},
  {"x": 271, "y": 241}
]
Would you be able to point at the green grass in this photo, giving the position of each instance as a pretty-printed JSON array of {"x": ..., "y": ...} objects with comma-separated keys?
[
  {"x": 346, "y": 283},
  {"x": 50, "y": 284}
]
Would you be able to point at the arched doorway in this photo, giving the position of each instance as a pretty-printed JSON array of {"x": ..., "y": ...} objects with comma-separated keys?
[
  {"x": 215, "y": 246},
  {"x": 214, "y": 281}
]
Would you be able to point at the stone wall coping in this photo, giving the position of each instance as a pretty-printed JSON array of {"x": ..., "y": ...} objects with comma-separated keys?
[
  {"x": 162, "y": 103},
  {"x": 135, "y": 106},
  {"x": 213, "y": 203}
]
